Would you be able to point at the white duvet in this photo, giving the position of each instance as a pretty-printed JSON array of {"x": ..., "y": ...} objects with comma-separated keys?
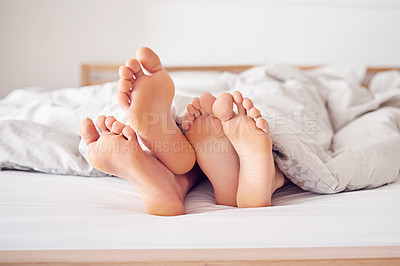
[{"x": 330, "y": 134}]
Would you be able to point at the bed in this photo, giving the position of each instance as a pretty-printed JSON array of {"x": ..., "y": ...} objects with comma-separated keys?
[{"x": 63, "y": 219}]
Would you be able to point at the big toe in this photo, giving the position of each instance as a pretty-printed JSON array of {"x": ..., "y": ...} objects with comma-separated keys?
[
  {"x": 149, "y": 59},
  {"x": 206, "y": 102},
  {"x": 223, "y": 107},
  {"x": 88, "y": 131}
]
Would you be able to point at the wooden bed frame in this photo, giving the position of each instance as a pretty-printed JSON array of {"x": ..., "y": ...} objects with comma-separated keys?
[
  {"x": 91, "y": 74},
  {"x": 245, "y": 256},
  {"x": 360, "y": 255}
]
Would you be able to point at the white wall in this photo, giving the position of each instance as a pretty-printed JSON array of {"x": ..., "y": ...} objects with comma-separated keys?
[{"x": 43, "y": 42}]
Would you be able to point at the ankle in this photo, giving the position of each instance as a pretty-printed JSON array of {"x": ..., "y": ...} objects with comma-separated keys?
[
  {"x": 280, "y": 180},
  {"x": 183, "y": 186}
]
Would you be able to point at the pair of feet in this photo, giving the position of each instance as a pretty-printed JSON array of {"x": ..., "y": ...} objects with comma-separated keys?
[{"x": 233, "y": 150}]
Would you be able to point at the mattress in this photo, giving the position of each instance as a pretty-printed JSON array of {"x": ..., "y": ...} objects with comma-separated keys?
[{"x": 45, "y": 211}]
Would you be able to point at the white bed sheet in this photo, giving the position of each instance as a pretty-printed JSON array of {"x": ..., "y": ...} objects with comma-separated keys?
[{"x": 43, "y": 211}]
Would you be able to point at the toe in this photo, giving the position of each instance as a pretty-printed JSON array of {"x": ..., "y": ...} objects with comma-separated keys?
[
  {"x": 123, "y": 96},
  {"x": 262, "y": 124},
  {"x": 124, "y": 85},
  {"x": 238, "y": 99},
  {"x": 186, "y": 125},
  {"x": 88, "y": 131},
  {"x": 100, "y": 123},
  {"x": 109, "y": 121},
  {"x": 192, "y": 110},
  {"x": 247, "y": 103},
  {"x": 124, "y": 101},
  {"x": 149, "y": 59},
  {"x": 190, "y": 117},
  {"x": 117, "y": 127},
  {"x": 125, "y": 73},
  {"x": 254, "y": 113},
  {"x": 196, "y": 102},
  {"x": 223, "y": 107},
  {"x": 206, "y": 102},
  {"x": 135, "y": 67},
  {"x": 129, "y": 133}
]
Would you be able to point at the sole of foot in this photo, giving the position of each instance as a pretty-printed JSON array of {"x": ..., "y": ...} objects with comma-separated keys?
[
  {"x": 116, "y": 151},
  {"x": 214, "y": 152},
  {"x": 248, "y": 133},
  {"x": 146, "y": 100}
]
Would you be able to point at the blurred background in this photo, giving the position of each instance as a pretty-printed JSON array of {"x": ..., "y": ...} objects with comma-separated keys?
[{"x": 44, "y": 42}]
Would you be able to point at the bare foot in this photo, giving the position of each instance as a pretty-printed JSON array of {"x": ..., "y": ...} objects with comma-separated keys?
[
  {"x": 214, "y": 152},
  {"x": 248, "y": 133},
  {"x": 116, "y": 151},
  {"x": 146, "y": 100}
]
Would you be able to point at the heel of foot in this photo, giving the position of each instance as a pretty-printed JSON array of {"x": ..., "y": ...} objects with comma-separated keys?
[
  {"x": 169, "y": 207},
  {"x": 252, "y": 198}
]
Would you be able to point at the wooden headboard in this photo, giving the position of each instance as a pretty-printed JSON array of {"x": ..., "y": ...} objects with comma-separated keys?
[{"x": 92, "y": 74}]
